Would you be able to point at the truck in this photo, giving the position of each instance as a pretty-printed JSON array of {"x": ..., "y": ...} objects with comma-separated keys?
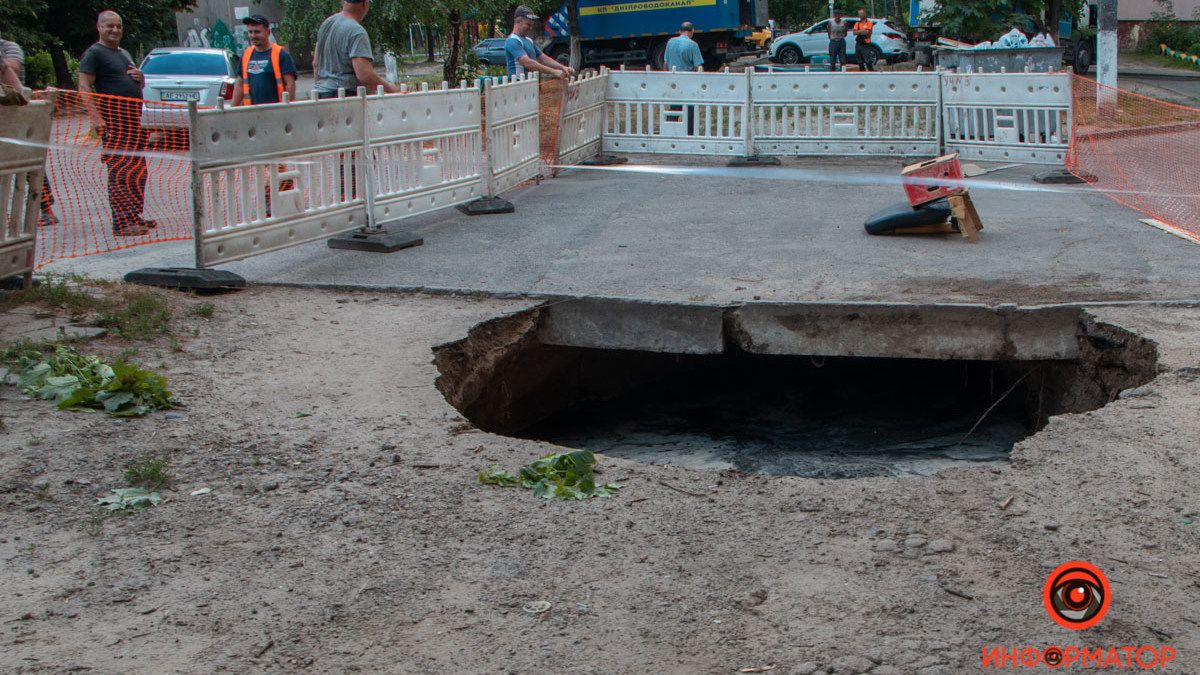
[{"x": 628, "y": 32}]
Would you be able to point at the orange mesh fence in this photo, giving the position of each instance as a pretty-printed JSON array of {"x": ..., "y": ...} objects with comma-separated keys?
[
  {"x": 117, "y": 175},
  {"x": 1139, "y": 151},
  {"x": 550, "y": 100}
]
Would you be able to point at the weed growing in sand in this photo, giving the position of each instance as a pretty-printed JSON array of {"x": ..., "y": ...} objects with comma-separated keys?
[
  {"x": 57, "y": 292},
  {"x": 129, "y": 498},
  {"x": 563, "y": 476},
  {"x": 93, "y": 525},
  {"x": 204, "y": 310},
  {"x": 145, "y": 316},
  {"x": 148, "y": 472}
]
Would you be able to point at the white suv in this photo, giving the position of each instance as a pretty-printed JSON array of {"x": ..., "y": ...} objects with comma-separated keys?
[{"x": 887, "y": 43}]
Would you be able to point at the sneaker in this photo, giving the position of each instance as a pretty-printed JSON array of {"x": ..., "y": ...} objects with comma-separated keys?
[
  {"x": 148, "y": 223},
  {"x": 134, "y": 229}
]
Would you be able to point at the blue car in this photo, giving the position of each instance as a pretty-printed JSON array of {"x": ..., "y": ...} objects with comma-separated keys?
[{"x": 490, "y": 51}]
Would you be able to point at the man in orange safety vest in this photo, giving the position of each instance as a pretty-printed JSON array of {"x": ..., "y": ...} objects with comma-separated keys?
[{"x": 268, "y": 70}]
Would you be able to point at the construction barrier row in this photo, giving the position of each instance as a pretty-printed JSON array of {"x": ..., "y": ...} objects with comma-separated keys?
[
  {"x": 244, "y": 181},
  {"x": 987, "y": 116}
]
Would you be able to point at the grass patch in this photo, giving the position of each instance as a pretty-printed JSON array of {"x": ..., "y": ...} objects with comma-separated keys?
[
  {"x": 151, "y": 473},
  {"x": 55, "y": 292},
  {"x": 204, "y": 310},
  {"x": 145, "y": 316}
]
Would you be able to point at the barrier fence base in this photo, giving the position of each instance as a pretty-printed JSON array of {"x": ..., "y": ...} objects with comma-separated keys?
[
  {"x": 1060, "y": 176},
  {"x": 753, "y": 160},
  {"x": 18, "y": 282},
  {"x": 486, "y": 206},
  {"x": 376, "y": 241},
  {"x": 604, "y": 160},
  {"x": 185, "y": 277}
]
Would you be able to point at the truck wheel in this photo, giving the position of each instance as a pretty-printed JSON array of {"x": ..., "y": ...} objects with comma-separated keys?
[
  {"x": 562, "y": 55},
  {"x": 789, "y": 54},
  {"x": 658, "y": 56},
  {"x": 1083, "y": 59}
]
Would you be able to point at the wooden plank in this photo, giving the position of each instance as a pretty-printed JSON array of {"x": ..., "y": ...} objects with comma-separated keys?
[{"x": 968, "y": 218}]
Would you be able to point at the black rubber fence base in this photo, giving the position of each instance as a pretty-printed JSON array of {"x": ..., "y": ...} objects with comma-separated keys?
[
  {"x": 486, "y": 206},
  {"x": 753, "y": 160},
  {"x": 375, "y": 241},
  {"x": 604, "y": 160},
  {"x": 184, "y": 277}
]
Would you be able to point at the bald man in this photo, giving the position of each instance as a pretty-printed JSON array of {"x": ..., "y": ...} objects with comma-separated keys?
[{"x": 107, "y": 69}]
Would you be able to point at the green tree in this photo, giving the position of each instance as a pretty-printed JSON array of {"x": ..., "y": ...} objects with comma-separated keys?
[{"x": 71, "y": 27}]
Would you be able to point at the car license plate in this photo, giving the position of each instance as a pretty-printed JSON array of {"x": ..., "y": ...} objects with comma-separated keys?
[{"x": 190, "y": 95}]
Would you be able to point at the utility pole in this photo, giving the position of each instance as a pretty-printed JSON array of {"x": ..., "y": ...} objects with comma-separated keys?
[{"x": 1106, "y": 50}]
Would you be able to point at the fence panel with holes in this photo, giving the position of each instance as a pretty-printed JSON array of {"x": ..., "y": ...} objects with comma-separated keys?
[
  {"x": 426, "y": 150},
  {"x": 24, "y": 139},
  {"x": 513, "y": 143},
  {"x": 581, "y": 120},
  {"x": 1019, "y": 117},
  {"x": 676, "y": 113},
  {"x": 271, "y": 176},
  {"x": 845, "y": 113}
]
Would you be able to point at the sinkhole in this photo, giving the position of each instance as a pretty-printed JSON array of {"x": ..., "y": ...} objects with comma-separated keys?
[{"x": 815, "y": 390}]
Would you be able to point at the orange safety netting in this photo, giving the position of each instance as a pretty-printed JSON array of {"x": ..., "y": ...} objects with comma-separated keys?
[
  {"x": 1139, "y": 151},
  {"x": 550, "y": 101},
  {"x": 118, "y": 175}
]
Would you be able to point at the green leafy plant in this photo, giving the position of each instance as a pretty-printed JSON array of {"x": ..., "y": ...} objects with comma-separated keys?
[
  {"x": 76, "y": 382},
  {"x": 129, "y": 498},
  {"x": 567, "y": 476},
  {"x": 204, "y": 310}
]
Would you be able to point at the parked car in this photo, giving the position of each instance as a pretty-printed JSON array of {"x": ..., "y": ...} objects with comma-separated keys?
[
  {"x": 177, "y": 75},
  {"x": 887, "y": 42},
  {"x": 490, "y": 51}
]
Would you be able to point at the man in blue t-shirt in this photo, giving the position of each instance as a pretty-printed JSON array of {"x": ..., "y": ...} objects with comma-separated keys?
[
  {"x": 683, "y": 54},
  {"x": 523, "y": 56},
  {"x": 267, "y": 69}
]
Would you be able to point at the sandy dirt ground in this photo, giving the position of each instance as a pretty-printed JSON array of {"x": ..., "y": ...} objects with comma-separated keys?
[{"x": 357, "y": 539}]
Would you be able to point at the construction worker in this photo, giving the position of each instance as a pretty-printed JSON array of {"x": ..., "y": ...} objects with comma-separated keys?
[
  {"x": 862, "y": 40},
  {"x": 268, "y": 71}
]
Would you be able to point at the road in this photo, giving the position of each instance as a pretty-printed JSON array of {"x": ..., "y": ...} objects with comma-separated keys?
[{"x": 1184, "y": 91}]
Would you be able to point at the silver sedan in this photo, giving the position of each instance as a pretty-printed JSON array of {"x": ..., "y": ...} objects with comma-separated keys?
[{"x": 177, "y": 75}]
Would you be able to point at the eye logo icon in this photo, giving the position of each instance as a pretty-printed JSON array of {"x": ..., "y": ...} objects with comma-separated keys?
[{"x": 1077, "y": 595}]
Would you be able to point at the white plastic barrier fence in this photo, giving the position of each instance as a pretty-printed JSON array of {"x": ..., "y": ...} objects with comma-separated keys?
[
  {"x": 1019, "y": 117},
  {"x": 826, "y": 113},
  {"x": 581, "y": 118},
  {"x": 513, "y": 144},
  {"x": 271, "y": 176},
  {"x": 677, "y": 113},
  {"x": 24, "y": 140},
  {"x": 426, "y": 151}
]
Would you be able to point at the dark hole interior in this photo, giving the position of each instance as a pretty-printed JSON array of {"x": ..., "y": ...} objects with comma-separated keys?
[
  {"x": 807, "y": 416},
  {"x": 778, "y": 414}
]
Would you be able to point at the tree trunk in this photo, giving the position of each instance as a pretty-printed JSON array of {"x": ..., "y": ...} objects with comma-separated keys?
[
  {"x": 491, "y": 27},
  {"x": 62, "y": 73},
  {"x": 573, "y": 28},
  {"x": 429, "y": 58},
  {"x": 450, "y": 67},
  {"x": 1054, "y": 9}
]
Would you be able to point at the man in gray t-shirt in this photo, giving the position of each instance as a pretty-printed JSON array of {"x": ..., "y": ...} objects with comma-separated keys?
[{"x": 343, "y": 58}]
